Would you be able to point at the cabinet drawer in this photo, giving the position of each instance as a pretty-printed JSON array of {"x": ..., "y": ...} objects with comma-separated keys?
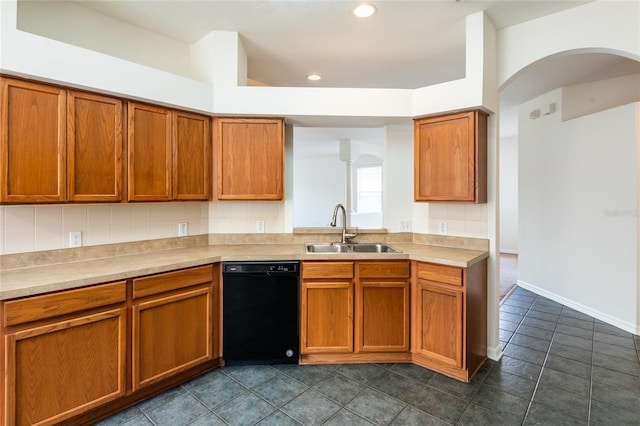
[
  {"x": 161, "y": 283},
  {"x": 440, "y": 273},
  {"x": 384, "y": 269},
  {"x": 327, "y": 270},
  {"x": 52, "y": 305}
]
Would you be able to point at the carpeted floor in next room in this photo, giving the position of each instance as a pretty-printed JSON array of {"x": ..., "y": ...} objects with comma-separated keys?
[{"x": 508, "y": 273}]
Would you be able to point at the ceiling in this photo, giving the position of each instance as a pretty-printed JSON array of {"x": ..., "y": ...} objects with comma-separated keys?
[{"x": 406, "y": 44}]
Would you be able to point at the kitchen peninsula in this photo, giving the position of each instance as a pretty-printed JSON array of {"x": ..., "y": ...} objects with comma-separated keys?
[{"x": 121, "y": 296}]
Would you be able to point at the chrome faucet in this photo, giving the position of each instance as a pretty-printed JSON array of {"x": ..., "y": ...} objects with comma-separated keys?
[{"x": 334, "y": 218}]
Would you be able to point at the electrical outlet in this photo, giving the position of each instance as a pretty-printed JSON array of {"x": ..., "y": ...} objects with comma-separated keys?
[
  {"x": 183, "y": 229},
  {"x": 405, "y": 226},
  {"x": 75, "y": 239},
  {"x": 442, "y": 228},
  {"x": 260, "y": 226}
]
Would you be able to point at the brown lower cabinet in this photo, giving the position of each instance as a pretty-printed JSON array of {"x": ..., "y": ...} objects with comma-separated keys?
[
  {"x": 395, "y": 311},
  {"x": 64, "y": 353},
  {"x": 76, "y": 356},
  {"x": 449, "y": 317},
  {"x": 171, "y": 324},
  {"x": 354, "y": 311}
]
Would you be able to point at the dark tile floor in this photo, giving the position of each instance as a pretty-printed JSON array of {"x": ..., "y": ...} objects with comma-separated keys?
[{"x": 560, "y": 367}]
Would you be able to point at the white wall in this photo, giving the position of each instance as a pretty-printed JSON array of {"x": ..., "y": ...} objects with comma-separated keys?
[
  {"x": 397, "y": 185},
  {"x": 509, "y": 195},
  {"x": 599, "y": 26},
  {"x": 320, "y": 184},
  {"x": 587, "y": 98},
  {"x": 578, "y": 217},
  {"x": 71, "y": 23},
  {"x": 218, "y": 64}
]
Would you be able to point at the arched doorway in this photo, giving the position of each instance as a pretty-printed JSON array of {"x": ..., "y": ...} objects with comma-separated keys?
[{"x": 576, "y": 74}]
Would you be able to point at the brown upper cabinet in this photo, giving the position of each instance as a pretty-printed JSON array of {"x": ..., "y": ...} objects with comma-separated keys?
[
  {"x": 249, "y": 158},
  {"x": 450, "y": 157},
  {"x": 33, "y": 142},
  {"x": 59, "y": 145},
  {"x": 168, "y": 154},
  {"x": 191, "y": 156},
  {"x": 94, "y": 147},
  {"x": 149, "y": 149}
]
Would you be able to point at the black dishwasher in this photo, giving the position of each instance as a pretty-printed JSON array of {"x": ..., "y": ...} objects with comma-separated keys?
[{"x": 260, "y": 312}]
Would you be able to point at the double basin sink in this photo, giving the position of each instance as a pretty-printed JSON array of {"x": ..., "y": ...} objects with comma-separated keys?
[{"x": 350, "y": 248}]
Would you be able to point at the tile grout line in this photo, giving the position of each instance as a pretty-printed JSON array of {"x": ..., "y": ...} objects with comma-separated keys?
[
  {"x": 544, "y": 361},
  {"x": 470, "y": 402},
  {"x": 205, "y": 406},
  {"x": 593, "y": 356}
]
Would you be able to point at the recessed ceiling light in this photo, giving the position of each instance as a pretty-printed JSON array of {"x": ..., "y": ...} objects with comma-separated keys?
[
  {"x": 364, "y": 11},
  {"x": 314, "y": 77}
]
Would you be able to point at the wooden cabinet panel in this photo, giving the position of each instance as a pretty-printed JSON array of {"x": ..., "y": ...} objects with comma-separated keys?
[
  {"x": 327, "y": 317},
  {"x": 174, "y": 280},
  {"x": 374, "y": 319},
  {"x": 66, "y": 364},
  {"x": 449, "y": 318},
  {"x": 327, "y": 270},
  {"x": 47, "y": 306},
  {"x": 32, "y": 143},
  {"x": 94, "y": 147},
  {"x": 440, "y": 315},
  {"x": 249, "y": 157},
  {"x": 173, "y": 327},
  {"x": 191, "y": 156},
  {"x": 149, "y": 150},
  {"x": 386, "y": 269},
  {"x": 75, "y": 356},
  {"x": 450, "y": 155},
  {"x": 382, "y": 316},
  {"x": 440, "y": 273},
  {"x": 171, "y": 334}
]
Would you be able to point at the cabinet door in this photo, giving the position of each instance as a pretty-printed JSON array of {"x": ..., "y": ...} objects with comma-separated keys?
[
  {"x": 382, "y": 316},
  {"x": 58, "y": 370},
  {"x": 64, "y": 353},
  {"x": 191, "y": 158},
  {"x": 450, "y": 158},
  {"x": 149, "y": 149},
  {"x": 440, "y": 322},
  {"x": 249, "y": 158},
  {"x": 32, "y": 143},
  {"x": 94, "y": 147},
  {"x": 171, "y": 333},
  {"x": 327, "y": 317}
]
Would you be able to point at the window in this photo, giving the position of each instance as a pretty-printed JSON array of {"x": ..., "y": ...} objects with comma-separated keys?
[{"x": 369, "y": 189}]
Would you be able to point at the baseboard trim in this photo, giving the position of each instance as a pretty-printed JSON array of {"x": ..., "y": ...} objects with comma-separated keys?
[
  {"x": 494, "y": 353},
  {"x": 509, "y": 293},
  {"x": 505, "y": 251},
  {"x": 616, "y": 322}
]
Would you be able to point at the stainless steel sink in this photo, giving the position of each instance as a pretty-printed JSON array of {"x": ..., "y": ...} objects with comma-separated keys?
[
  {"x": 326, "y": 248},
  {"x": 373, "y": 248},
  {"x": 350, "y": 248}
]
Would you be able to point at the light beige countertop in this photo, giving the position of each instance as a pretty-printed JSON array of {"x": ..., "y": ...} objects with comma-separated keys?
[{"x": 26, "y": 280}]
